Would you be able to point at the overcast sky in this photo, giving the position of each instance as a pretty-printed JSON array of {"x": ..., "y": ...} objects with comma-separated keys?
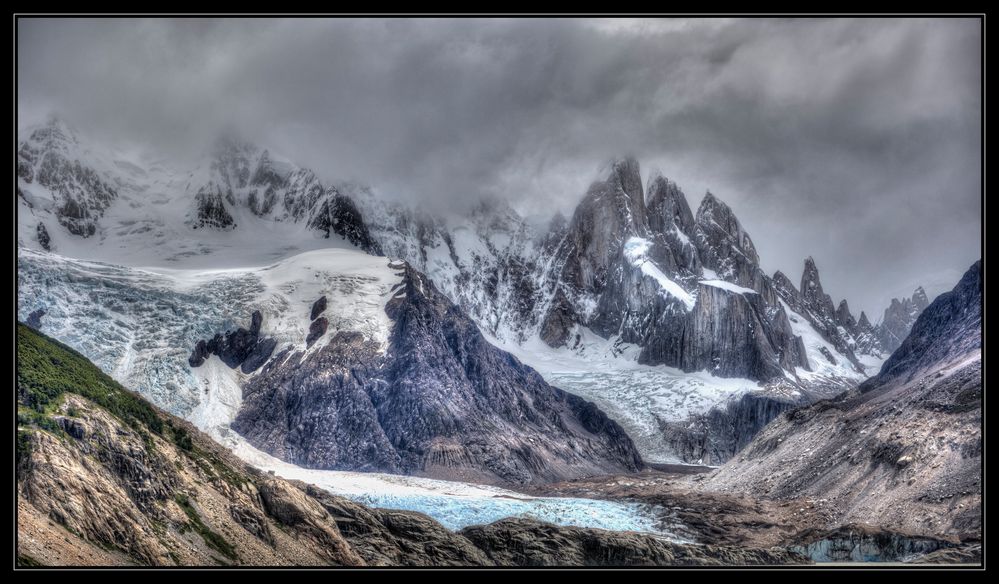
[{"x": 854, "y": 141}]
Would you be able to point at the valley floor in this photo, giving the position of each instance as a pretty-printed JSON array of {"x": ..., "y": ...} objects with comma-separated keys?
[{"x": 812, "y": 527}]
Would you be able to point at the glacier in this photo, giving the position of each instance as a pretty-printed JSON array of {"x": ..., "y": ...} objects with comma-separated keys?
[{"x": 102, "y": 310}]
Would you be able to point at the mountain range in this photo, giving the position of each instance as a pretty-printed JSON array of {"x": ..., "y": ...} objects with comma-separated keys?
[
  {"x": 634, "y": 284},
  {"x": 327, "y": 332}
]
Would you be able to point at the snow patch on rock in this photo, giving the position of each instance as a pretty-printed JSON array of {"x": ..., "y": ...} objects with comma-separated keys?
[{"x": 636, "y": 251}]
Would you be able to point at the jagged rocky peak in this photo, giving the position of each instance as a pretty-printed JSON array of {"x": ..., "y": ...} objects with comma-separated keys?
[
  {"x": 844, "y": 317},
  {"x": 612, "y": 211},
  {"x": 863, "y": 322},
  {"x": 672, "y": 224},
  {"x": 919, "y": 299},
  {"x": 899, "y": 318},
  {"x": 713, "y": 212},
  {"x": 622, "y": 192},
  {"x": 55, "y": 134},
  {"x": 725, "y": 248},
  {"x": 811, "y": 291},
  {"x": 241, "y": 163},
  {"x": 785, "y": 287},
  {"x": 667, "y": 206}
]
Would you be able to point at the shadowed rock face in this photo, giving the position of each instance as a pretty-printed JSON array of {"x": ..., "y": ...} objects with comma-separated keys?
[
  {"x": 211, "y": 211},
  {"x": 723, "y": 244},
  {"x": 43, "y": 237},
  {"x": 717, "y": 435},
  {"x": 904, "y": 450},
  {"x": 441, "y": 402}
]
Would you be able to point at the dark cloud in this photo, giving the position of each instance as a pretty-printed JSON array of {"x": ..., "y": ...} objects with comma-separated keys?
[{"x": 854, "y": 141}]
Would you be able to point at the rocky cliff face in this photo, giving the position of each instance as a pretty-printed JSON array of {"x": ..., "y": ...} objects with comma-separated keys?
[
  {"x": 441, "y": 402},
  {"x": 716, "y": 436},
  {"x": 904, "y": 450}
]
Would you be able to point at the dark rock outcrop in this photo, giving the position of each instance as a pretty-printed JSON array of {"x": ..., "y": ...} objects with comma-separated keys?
[
  {"x": 43, "y": 237},
  {"x": 211, "y": 210},
  {"x": 318, "y": 308},
  {"x": 261, "y": 352},
  {"x": 34, "y": 319},
  {"x": 241, "y": 348},
  {"x": 316, "y": 330},
  {"x": 337, "y": 214},
  {"x": 441, "y": 401}
]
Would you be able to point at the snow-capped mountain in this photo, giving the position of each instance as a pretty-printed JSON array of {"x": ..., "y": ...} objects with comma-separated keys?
[
  {"x": 659, "y": 315},
  {"x": 58, "y": 174},
  {"x": 637, "y": 293},
  {"x": 240, "y": 202}
]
